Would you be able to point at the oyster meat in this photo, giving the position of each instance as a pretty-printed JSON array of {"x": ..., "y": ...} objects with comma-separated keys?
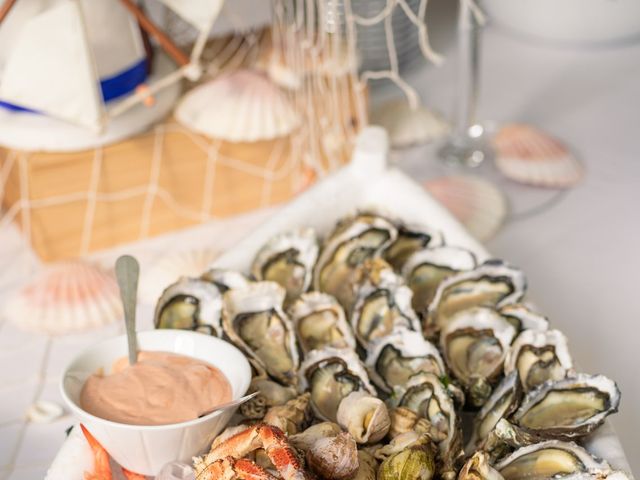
[
  {"x": 254, "y": 320},
  {"x": 393, "y": 359},
  {"x": 352, "y": 242},
  {"x": 288, "y": 259},
  {"x": 330, "y": 375},
  {"x": 568, "y": 408},
  {"x": 474, "y": 343},
  {"x": 494, "y": 283},
  {"x": 411, "y": 238},
  {"x": 539, "y": 356},
  {"x": 425, "y": 269},
  {"x": 190, "y": 304},
  {"x": 319, "y": 322}
]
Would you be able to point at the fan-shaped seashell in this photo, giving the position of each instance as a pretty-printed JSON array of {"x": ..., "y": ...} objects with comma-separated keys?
[
  {"x": 169, "y": 268},
  {"x": 66, "y": 297},
  {"x": 407, "y": 126},
  {"x": 476, "y": 203},
  {"x": 240, "y": 106},
  {"x": 528, "y": 155},
  {"x": 364, "y": 416}
]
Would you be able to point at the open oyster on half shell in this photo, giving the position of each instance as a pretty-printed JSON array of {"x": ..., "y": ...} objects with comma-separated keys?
[
  {"x": 494, "y": 283},
  {"x": 568, "y": 408},
  {"x": 393, "y": 359},
  {"x": 253, "y": 319},
  {"x": 225, "y": 279},
  {"x": 190, "y": 304},
  {"x": 474, "y": 343},
  {"x": 330, "y": 375},
  {"x": 354, "y": 240},
  {"x": 410, "y": 239},
  {"x": 288, "y": 259}
]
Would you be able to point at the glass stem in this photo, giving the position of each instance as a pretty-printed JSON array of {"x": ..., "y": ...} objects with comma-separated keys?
[{"x": 468, "y": 79}]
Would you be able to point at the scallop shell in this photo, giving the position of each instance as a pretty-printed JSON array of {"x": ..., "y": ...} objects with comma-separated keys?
[
  {"x": 190, "y": 263},
  {"x": 528, "y": 155},
  {"x": 240, "y": 106},
  {"x": 476, "y": 203},
  {"x": 409, "y": 126},
  {"x": 66, "y": 297}
]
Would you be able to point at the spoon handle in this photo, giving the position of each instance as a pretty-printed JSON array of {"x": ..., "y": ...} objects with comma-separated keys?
[
  {"x": 232, "y": 403},
  {"x": 127, "y": 272}
]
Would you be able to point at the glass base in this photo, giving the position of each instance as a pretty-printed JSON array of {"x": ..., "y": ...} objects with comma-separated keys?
[{"x": 469, "y": 150}]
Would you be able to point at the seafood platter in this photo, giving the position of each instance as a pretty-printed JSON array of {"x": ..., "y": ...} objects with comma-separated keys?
[{"x": 385, "y": 343}]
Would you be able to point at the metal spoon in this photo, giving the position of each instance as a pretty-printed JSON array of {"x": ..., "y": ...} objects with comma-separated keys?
[
  {"x": 127, "y": 272},
  {"x": 230, "y": 404}
]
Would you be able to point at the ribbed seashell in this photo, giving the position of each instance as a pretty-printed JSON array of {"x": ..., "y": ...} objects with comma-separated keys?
[
  {"x": 364, "y": 416},
  {"x": 65, "y": 297},
  {"x": 288, "y": 259},
  {"x": 305, "y": 439},
  {"x": 403, "y": 420},
  {"x": 319, "y": 321},
  {"x": 476, "y": 203},
  {"x": 368, "y": 466},
  {"x": 253, "y": 319},
  {"x": 539, "y": 356},
  {"x": 568, "y": 408},
  {"x": 168, "y": 268},
  {"x": 478, "y": 468},
  {"x": 190, "y": 304},
  {"x": 239, "y": 106},
  {"x": 411, "y": 238},
  {"x": 334, "y": 457},
  {"x": 293, "y": 416},
  {"x": 409, "y": 126},
  {"x": 529, "y": 155}
]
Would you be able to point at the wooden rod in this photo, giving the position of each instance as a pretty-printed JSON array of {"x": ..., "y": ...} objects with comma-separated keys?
[
  {"x": 148, "y": 26},
  {"x": 6, "y": 8}
]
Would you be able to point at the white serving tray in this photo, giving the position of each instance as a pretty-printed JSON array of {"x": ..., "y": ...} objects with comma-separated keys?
[{"x": 368, "y": 182}]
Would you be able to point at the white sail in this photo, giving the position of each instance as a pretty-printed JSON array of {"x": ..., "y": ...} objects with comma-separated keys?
[
  {"x": 51, "y": 69},
  {"x": 199, "y": 13}
]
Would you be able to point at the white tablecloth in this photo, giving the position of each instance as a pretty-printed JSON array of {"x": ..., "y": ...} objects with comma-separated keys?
[{"x": 580, "y": 253}]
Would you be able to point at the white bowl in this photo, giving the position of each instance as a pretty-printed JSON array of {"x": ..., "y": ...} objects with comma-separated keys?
[{"x": 146, "y": 449}]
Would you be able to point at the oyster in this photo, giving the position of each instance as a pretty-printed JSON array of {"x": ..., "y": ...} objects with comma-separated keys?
[
  {"x": 364, "y": 416},
  {"x": 478, "y": 468},
  {"x": 426, "y": 396},
  {"x": 506, "y": 437},
  {"x": 494, "y": 283},
  {"x": 383, "y": 303},
  {"x": 568, "y": 408},
  {"x": 425, "y": 269},
  {"x": 539, "y": 356},
  {"x": 353, "y": 241},
  {"x": 330, "y": 375},
  {"x": 474, "y": 343},
  {"x": 225, "y": 279},
  {"x": 271, "y": 393},
  {"x": 523, "y": 318},
  {"x": 319, "y": 322},
  {"x": 292, "y": 417},
  {"x": 547, "y": 460},
  {"x": 503, "y": 402},
  {"x": 288, "y": 259},
  {"x": 393, "y": 359},
  {"x": 410, "y": 239},
  {"x": 253, "y": 319},
  {"x": 190, "y": 304}
]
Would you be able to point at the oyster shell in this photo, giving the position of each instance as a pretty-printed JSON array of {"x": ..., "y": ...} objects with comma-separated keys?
[
  {"x": 568, "y": 408},
  {"x": 410, "y": 239},
  {"x": 474, "y": 344},
  {"x": 225, "y": 279},
  {"x": 503, "y": 402},
  {"x": 393, "y": 359},
  {"x": 523, "y": 318},
  {"x": 292, "y": 417},
  {"x": 364, "y": 416},
  {"x": 506, "y": 437},
  {"x": 319, "y": 322},
  {"x": 547, "y": 460},
  {"x": 478, "y": 468},
  {"x": 353, "y": 241},
  {"x": 383, "y": 303},
  {"x": 253, "y": 319},
  {"x": 494, "y": 283},
  {"x": 539, "y": 356},
  {"x": 425, "y": 269},
  {"x": 288, "y": 259},
  {"x": 190, "y": 304},
  {"x": 330, "y": 375},
  {"x": 334, "y": 457}
]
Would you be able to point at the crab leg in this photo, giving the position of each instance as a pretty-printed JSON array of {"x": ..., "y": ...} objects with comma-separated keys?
[{"x": 230, "y": 468}]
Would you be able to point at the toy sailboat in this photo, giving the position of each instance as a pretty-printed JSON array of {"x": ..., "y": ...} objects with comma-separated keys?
[{"x": 84, "y": 69}]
